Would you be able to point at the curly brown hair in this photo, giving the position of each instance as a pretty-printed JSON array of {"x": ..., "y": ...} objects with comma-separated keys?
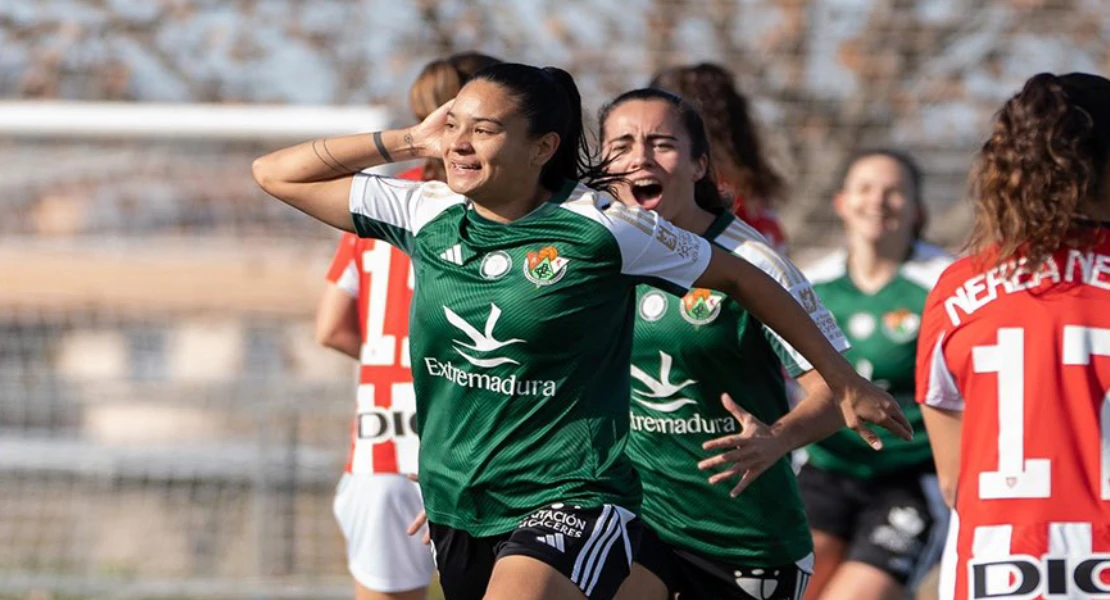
[
  {"x": 1045, "y": 159},
  {"x": 735, "y": 145}
]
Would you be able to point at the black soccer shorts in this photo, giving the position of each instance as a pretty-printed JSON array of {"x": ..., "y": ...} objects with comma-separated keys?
[
  {"x": 693, "y": 576},
  {"x": 590, "y": 546},
  {"x": 890, "y": 523}
]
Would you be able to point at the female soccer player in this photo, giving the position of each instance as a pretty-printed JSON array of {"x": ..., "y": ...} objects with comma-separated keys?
[
  {"x": 364, "y": 313},
  {"x": 746, "y": 178},
  {"x": 701, "y": 541},
  {"x": 1013, "y": 361},
  {"x": 872, "y": 513},
  {"x": 521, "y": 327}
]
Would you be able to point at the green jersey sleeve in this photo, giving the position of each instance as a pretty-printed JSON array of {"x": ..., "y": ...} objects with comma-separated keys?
[
  {"x": 742, "y": 240},
  {"x": 395, "y": 210}
]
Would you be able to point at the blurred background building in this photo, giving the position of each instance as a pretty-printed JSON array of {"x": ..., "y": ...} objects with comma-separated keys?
[{"x": 168, "y": 427}]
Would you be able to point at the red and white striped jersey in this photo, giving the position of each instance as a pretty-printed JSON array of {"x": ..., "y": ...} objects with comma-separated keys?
[
  {"x": 1025, "y": 354},
  {"x": 379, "y": 277}
]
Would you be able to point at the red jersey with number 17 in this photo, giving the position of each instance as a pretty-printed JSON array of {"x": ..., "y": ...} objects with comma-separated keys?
[
  {"x": 1024, "y": 353},
  {"x": 379, "y": 277}
]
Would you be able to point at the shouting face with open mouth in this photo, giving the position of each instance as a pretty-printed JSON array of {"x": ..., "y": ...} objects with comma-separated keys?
[{"x": 647, "y": 143}]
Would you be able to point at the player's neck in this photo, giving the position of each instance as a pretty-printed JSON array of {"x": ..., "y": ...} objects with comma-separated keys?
[
  {"x": 507, "y": 211},
  {"x": 695, "y": 220},
  {"x": 871, "y": 266}
]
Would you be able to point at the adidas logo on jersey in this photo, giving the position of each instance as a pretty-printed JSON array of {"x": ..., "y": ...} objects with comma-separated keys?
[
  {"x": 555, "y": 540},
  {"x": 453, "y": 254}
]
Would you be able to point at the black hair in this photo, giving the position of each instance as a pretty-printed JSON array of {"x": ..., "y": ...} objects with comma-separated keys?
[
  {"x": 706, "y": 193},
  {"x": 548, "y": 98}
]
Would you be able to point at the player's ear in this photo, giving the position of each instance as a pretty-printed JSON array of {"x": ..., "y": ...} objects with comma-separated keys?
[
  {"x": 544, "y": 148},
  {"x": 701, "y": 166},
  {"x": 838, "y": 201}
]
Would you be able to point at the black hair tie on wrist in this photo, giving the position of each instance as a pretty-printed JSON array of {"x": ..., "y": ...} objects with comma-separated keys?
[{"x": 381, "y": 147}]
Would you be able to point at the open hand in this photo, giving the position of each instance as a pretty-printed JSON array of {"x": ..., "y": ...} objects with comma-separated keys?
[
  {"x": 426, "y": 138},
  {"x": 749, "y": 453}
]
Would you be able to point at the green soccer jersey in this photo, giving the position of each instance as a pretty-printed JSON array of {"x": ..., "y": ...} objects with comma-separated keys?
[
  {"x": 687, "y": 352},
  {"x": 520, "y": 340},
  {"x": 882, "y": 328}
]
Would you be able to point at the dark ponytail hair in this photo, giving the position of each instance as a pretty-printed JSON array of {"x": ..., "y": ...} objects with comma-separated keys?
[
  {"x": 1046, "y": 157},
  {"x": 548, "y": 98},
  {"x": 706, "y": 193},
  {"x": 912, "y": 171}
]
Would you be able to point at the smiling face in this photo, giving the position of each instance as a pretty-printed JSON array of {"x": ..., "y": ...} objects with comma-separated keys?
[
  {"x": 877, "y": 200},
  {"x": 649, "y": 145},
  {"x": 488, "y": 152}
]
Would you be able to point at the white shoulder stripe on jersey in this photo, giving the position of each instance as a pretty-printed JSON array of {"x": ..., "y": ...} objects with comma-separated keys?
[
  {"x": 406, "y": 205},
  {"x": 926, "y": 264},
  {"x": 348, "y": 280},
  {"x": 636, "y": 219},
  {"x": 942, "y": 391},
  {"x": 924, "y": 267},
  {"x": 832, "y": 266},
  {"x": 743, "y": 241}
]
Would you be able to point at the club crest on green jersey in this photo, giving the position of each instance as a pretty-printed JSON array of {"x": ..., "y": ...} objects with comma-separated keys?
[
  {"x": 901, "y": 325},
  {"x": 495, "y": 265},
  {"x": 701, "y": 306},
  {"x": 545, "y": 266}
]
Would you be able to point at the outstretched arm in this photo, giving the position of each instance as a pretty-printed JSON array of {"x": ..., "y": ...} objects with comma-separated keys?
[
  {"x": 765, "y": 298},
  {"x": 315, "y": 177}
]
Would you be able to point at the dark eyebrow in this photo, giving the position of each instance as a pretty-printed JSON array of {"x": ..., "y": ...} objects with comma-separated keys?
[
  {"x": 651, "y": 137},
  {"x": 480, "y": 119}
]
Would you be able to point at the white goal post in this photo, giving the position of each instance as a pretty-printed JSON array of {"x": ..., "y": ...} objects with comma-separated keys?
[
  {"x": 48, "y": 273},
  {"x": 136, "y": 120}
]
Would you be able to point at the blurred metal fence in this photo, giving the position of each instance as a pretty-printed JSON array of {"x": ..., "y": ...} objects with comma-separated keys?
[{"x": 168, "y": 427}]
